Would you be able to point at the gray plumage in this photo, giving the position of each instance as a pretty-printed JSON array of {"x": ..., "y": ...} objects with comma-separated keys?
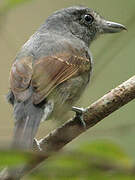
[{"x": 68, "y": 32}]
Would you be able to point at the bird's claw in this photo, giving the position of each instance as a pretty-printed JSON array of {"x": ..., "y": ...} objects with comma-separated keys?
[
  {"x": 79, "y": 113},
  {"x": 36, "y": 145}
]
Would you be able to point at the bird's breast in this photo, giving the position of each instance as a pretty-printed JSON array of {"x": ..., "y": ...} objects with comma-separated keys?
[{"x": 67, "y": 94}]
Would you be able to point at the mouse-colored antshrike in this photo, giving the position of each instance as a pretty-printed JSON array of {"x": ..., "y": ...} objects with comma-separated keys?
[{"x": 53, "y": 68}]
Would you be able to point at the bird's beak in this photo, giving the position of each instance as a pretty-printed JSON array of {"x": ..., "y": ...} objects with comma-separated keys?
[{"x": 112, "y": 27}]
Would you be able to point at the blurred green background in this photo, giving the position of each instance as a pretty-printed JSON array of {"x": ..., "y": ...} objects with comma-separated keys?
[{"x": 114, "y": 62}]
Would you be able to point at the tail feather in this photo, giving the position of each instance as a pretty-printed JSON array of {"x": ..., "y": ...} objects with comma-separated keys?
[{"x": 28, "y": 118}]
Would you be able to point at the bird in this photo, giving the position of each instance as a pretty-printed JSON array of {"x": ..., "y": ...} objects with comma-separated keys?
[{"x": 53, "y": 68}]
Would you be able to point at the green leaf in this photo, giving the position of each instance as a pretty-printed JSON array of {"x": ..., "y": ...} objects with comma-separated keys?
[
  {"x": 108, "y": 151},
  {"x": 98, "y": 160},
  {"x": 11, "y": 158}
]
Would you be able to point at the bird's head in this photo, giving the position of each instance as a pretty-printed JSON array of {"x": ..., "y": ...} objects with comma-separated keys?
[{"x": 82, "y": 22}]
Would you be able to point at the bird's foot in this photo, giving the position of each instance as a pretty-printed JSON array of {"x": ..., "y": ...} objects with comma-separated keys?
[
  {"x": 36, "y": 145},
  {"x": 79, "y": 114}
]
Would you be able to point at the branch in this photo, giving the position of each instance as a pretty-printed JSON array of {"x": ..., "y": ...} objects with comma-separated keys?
[{"x": 58, "y": 138}]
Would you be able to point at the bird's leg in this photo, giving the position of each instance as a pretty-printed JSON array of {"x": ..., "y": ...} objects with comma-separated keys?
[
  {"x": 79, "y": 114},
  {"x": 36, "y": 145}
]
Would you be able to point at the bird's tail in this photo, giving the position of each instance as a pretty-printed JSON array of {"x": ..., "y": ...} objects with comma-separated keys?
[{"x": 28, "y": 118}]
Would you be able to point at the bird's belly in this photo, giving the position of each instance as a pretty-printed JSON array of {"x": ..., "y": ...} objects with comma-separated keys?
[{"x": 66, "y": 94}]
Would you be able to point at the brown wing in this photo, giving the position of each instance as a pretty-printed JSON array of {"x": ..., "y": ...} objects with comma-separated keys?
[
  {"x": 50, "y": 72},
  {"x": 20, "y": 77},
  {"x": 45, "y": 75}
]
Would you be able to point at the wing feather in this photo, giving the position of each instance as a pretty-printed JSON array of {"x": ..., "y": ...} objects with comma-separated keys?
[
  {"x": 49, "y": 73},
  {"x": 20, "y": 77},
  {"x": 44, "y": 75}
]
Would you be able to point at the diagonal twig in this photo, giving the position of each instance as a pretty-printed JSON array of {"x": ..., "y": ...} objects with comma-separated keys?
[{"x": 58, "y": 138}]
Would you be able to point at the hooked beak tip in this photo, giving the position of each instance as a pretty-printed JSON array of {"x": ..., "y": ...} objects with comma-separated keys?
[{"x": 112, "y": 27}]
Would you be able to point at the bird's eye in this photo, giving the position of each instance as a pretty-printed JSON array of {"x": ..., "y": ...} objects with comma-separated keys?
[{"x": 89, "y": 18}]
